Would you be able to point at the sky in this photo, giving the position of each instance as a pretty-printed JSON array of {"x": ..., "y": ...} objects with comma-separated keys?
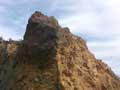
[{"x": 97, "y": 21}]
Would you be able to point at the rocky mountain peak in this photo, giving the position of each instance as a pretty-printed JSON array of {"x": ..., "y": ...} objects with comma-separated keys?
[
  {"x": 41, "y": 29},
  {"x": 40, "y": 18},
  {"x": 52, "y": 58}
]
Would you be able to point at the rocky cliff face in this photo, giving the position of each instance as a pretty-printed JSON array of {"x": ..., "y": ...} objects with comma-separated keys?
[{"x": 52, "y": 58}]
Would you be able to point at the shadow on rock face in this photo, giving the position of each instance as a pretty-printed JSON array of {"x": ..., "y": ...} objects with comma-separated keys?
[{"x": 40, "y": 42}]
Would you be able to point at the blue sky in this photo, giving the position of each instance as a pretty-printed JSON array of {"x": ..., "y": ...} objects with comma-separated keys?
[{"x": 97, "y": 21}]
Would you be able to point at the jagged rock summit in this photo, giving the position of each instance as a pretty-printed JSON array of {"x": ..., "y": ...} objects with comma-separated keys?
[{"x": 52, "y": 58}]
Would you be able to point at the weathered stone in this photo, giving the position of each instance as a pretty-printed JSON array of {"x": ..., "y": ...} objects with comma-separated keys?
[{"x": 52, "y": 58}]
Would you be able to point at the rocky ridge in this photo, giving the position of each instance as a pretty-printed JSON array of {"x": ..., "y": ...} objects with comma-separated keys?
[{"x": 52, "y": 58}]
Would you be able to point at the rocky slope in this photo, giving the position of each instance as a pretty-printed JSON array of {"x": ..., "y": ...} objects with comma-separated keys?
[{"x": 52, "y": 58}]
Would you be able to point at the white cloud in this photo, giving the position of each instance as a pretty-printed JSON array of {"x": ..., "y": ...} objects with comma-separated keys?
[
  {"x": 109, "y": 51},
  {"x": 106, "y": 49},
  {"x": 7, "y": 32}
]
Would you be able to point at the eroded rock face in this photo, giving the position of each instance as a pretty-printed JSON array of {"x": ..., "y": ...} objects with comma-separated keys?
[{"x": 52, "y": 58}]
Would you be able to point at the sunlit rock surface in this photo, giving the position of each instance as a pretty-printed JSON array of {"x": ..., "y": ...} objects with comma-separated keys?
[{"x": 52, "y": 58}]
